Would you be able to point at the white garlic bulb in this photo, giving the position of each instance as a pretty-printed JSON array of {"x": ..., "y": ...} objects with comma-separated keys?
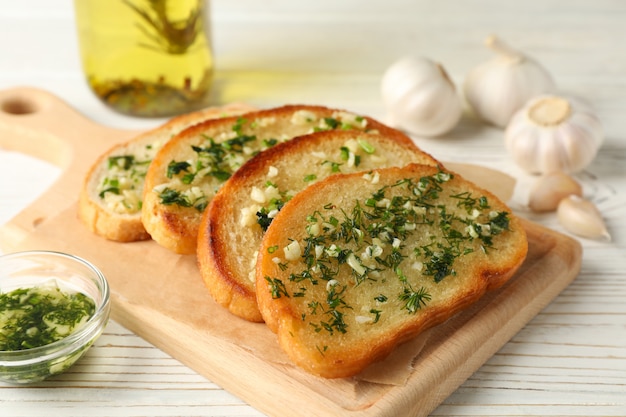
[
  {"x": 550, "y": 189},
  {"x": 498, "y": 88},
  {"x": 582, "y": 217},
  {"x": 552, "y": 133},
  {"x": 420, "y": 97}
]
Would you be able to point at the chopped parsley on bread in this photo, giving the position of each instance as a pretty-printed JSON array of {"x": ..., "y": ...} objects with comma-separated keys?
[
  {"x": 188, "y": 171},
  {"x": 335, "y": 230},
  {"x": 234, "y": 223},
  {"x": 111, "y": 198},
  {"x": 360, "y": 263}
]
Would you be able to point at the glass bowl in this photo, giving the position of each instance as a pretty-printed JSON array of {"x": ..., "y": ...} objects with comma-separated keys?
[{"x": 72, "y": 274}]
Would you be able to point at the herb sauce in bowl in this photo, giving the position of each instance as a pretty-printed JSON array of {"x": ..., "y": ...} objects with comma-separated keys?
[
  {"x": 53, "y": 307},
  {"x": 40, "y": 315}
]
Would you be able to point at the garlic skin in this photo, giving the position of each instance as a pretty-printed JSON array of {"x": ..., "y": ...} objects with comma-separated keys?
[
  {"x": 582, "y": 217},
  {"x": 496, "y": 89},
  {"x": 420, "y": 97},
  {"x": 553, "y": 133},
  {"x": 550, "y": 189}
]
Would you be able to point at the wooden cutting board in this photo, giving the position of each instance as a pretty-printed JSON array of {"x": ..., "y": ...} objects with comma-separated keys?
[{"x": 161, "y": 297}]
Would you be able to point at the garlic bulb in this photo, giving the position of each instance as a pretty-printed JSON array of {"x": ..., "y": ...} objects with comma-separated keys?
[
  {"x": 496, "y": 89},
  {"x": 420, "y": 97},
  {"x": 552, "y": 133},
  {"x": 582, "y": 217},
  {"x": 550, "y": 189}
]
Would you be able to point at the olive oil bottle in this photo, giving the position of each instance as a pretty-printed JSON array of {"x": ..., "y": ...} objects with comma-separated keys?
[{"x": 149, "y": 58}]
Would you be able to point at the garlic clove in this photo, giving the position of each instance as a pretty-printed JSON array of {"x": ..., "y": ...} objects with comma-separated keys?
[
  {"x": 582, "y": 217},
  {"x": 496, "y": 89},
  {"x": 550, "y": 189},
  {"x": 554, "y": 133},
  {"x": 420, "y": 97}
]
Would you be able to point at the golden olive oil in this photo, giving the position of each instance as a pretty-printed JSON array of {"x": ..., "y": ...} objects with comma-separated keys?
[{"x": 148, "y": 58}]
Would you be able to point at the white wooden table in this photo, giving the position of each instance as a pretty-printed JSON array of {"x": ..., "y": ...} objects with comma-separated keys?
[{"x": 569, "y": 361}]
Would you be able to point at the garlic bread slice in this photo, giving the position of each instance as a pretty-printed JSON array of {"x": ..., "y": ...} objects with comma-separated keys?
[{"x": 352, "y": 267}]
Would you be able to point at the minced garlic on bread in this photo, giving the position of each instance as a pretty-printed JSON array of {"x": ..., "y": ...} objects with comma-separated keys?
[
  {"x": 352, "y": 267},
  {"x": 188, "y": 171},
  {"x": 234, "y": 223},
  {"x": 111, "y": 198}
]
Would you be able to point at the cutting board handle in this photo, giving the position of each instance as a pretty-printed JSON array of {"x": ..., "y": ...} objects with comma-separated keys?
[
  {"x": 37, "y": 123},
  {"x": 41, "y": 125}
]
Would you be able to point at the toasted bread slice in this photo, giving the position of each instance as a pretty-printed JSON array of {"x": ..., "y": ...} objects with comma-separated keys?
[
  {"x": 110, "y": 200},
  {"x": 233, "y": 225},
  {"x": 188, "y": 171},
  {"x": 352, "y": 267}
]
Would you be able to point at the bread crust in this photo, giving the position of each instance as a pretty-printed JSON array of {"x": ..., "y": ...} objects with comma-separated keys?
[
  {"x": 227, "y": 260},
  {"x": 345, "y": 354},
  {"x": 94, "y": 212},
  {"x": 176, "y": 227}
]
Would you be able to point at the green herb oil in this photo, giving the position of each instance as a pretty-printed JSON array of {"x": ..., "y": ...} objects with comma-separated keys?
[{"x": 37, "y": 316}]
